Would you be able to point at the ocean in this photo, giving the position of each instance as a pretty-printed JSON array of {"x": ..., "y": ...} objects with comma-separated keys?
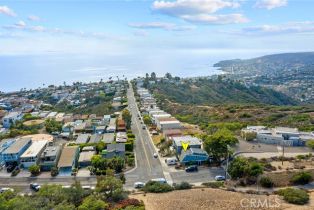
[{"x": 33, "y": 71}]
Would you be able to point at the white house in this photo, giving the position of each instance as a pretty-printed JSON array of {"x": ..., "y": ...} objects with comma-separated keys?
[
  {"x": 32, "y": 155},
  {"x": 11, "y": 118}
]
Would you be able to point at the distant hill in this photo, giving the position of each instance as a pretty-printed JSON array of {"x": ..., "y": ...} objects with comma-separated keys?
[
  {"x": 218, "y": 91},
  {"x": 290, "y": 73}
]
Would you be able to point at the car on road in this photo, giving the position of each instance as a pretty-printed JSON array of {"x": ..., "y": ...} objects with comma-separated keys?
[
  {"x": 144, "y": 127},
  {"x": 34, "y": 186},
  {"x": 220, "y": 178},
  {"x": 139, "y": 185},
  {"x": 5, "y": 189},
  {"x": 155, "y": 155},
  {"x": 171, "y": 161},
  {"x": 191, "y": 169}
]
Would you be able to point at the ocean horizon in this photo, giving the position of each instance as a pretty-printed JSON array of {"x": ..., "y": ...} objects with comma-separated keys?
[{"x": 34, "y": 71}]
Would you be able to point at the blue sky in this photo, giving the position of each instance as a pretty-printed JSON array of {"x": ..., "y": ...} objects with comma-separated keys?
[
  {"x": 159, "y": 35},
  {"x": 38, "y": 27}
]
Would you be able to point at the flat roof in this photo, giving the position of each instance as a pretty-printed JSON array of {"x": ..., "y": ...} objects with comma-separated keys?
[
  {"x": 108, "y": 138},
  {"x": 17, "y": 146},
  {"x": 67, "y": 156},
  {"x": 51, "y": 151},
  {"x": 116, "y": 147},
  {"x": 86, "y": 156},
  {"x": 192, "y": 140},
  {"x": 35, "y": 148},
  {"x": 95, "y": 138},
  {"x": 170, "y": 122},
  {"x": 12, "y": 114},
  {"x": 82, "y": 138}
]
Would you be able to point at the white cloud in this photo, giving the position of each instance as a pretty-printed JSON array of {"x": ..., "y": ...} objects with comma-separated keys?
[
  {"x": 291, "y": 27},
  {"x": 141, "y": 33},
  {"x": 185, "y": 7},
  {"x": 20, "y": 24},
  {"x": 270, "y": 4},
  {"x": 215, "y": 19},
  {"x": 33, "y": 18},
  {"x": 200, "y": 11},
  {"x": 161, "y": 25},
  {"x": 7, "y": 11}
]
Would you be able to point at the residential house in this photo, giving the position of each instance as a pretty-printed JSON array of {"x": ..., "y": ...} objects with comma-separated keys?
[
  {"x": 114, "y": 150},
  {"x": 4, "y": 144},
  {"x": 95, "y": 138},
  {"x": 108, "y": 138},
  {"x": 86, "y": 155},
  {"x": 50, "y": 157},
  {"x": 11, "y": 156},
  {"x": 121, "y": 137},
  {"x": 32, "y": 155},
  {"x": 121, "y": 125},
  {"x": 82, "y": 138},
  {"x": 68, "y": 160},
  {"x": 193, "y": 142},
  {"x": 193, "y": 156},
  {"x": 11, "y": 118}
]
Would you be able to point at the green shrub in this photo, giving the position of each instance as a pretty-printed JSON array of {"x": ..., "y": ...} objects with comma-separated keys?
[
  {"x": 54, "y": 171},
  {"x": 302, "y": 178},
  {"x": 34, "y": 170},
  {"x": 182, "y": 186},
  {"x": 157, "y": 187},
  {"x": 266, "y": 182},
  {"x": 129, "y": 147},
  {"x": 217, "y": 184},
  {"x": 295, "y": 196}
]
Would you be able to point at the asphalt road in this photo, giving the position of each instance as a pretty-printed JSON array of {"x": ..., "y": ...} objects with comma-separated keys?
[{"x": 147, "y": 167}]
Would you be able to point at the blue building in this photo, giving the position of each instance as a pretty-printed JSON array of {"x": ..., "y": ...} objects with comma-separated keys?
[
  {"x": 4, "y": 144},
  {"x": 68, "y": 160},
  {"x": 193, "y": 142},
  {"x": 193, "y": 156},
  {"x": 11, "y": 156}
]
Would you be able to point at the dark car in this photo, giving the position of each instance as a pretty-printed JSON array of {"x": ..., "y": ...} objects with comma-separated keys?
[
  {"x": 35, "y": 186},
  {"x": 191, "y": 169},
  {"x": 11, "y": 168}
]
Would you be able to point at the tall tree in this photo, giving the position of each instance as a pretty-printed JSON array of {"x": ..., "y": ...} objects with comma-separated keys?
[{"x": 127, "y": 117}]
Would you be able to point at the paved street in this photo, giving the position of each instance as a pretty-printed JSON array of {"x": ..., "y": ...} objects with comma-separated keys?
[{"x": 148, "y": 167}]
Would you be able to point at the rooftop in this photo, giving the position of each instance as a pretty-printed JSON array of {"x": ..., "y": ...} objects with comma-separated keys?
[
  {"x": 82, "y": 138},
  {"x": 51, "y": 151},
  {"x": 35, "y": 148},
  {"x": 116, "y": 147},
  {"x": 67, "y": 156},
  {"x": 108, "y": 138},
  {"x": 86, "y": 156},
  {"x": 192, "y": 140},
  {"x": 17, "y": 146}
]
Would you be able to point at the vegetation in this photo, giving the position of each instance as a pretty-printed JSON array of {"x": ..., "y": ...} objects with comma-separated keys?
[
  {"x": 108, "y": 192},
  {"x": 147, "y": 119},
  {"x": 127, "y": 117},
  {"x": 34, "y": 170},
  {"x": 54, "y": 171},
  {"x": 217, "y": 184},
  {"x": 218, "y": 143},
  {"x": 53, "y": 126},
  {"x": 266, "y": 182},
  {"x": 182, "y": 186},
  {"x": 242, "y": 167},
  {"x": 302, "y": 178},
  {"x": 295, "y": 196},
  {"x": 157, "y": 187},
  {"x": 310, "y": 144},
  {"x": 100, "y": 165}
]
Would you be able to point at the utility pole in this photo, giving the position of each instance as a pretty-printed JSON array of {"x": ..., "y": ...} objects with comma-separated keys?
[
  {"x": 227, "y": 165},
  {"x": 283, "y": 152}
]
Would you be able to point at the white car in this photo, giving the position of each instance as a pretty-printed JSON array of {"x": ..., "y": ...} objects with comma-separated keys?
[
  {"x": 139, "y": 185},
  {"x": 155, "y": 155},
  {"x": 5, "y": 189},
  {"x": 220, "y": 178}
]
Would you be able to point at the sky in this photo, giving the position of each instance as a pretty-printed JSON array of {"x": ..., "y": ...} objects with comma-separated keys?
[{"x": 140, "y": 36}]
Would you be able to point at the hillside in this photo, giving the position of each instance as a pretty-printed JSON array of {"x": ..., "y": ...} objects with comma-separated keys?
[
  {"x": 289, "y": 73},
  {"x": 218, "y": 91}
]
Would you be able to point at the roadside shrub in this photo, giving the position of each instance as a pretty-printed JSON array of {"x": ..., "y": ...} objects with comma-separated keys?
[
  {"x": 302, "y": 178},
  {"x": 217, "y": 184},
  {"x": 156, "y": 187},
  {"x": 182, "y": 186},
  {"x": 266, "y": 182},
  {"x": 295, "y": 196},
  {"x": 54, "y": 171},
  {"x": 129, "y": 147},
  {"x": 34, "y": 170}
]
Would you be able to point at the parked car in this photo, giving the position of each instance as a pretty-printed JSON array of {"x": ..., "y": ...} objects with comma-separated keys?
[
  {"x": 160, "y": 180},
  {"x": 139, "y": 185},
  {"x": 155, "y": 155},
  {"x": 144, "y": 127},
  {"x": 34, "y": 186},
  {"x": 171, "y": 161},
  {"x": 191, "y": 169},
  {"x": 5, "y": 189},
  {"x": 11, "y": 168},
  {"x": 220, "y": 178}
]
